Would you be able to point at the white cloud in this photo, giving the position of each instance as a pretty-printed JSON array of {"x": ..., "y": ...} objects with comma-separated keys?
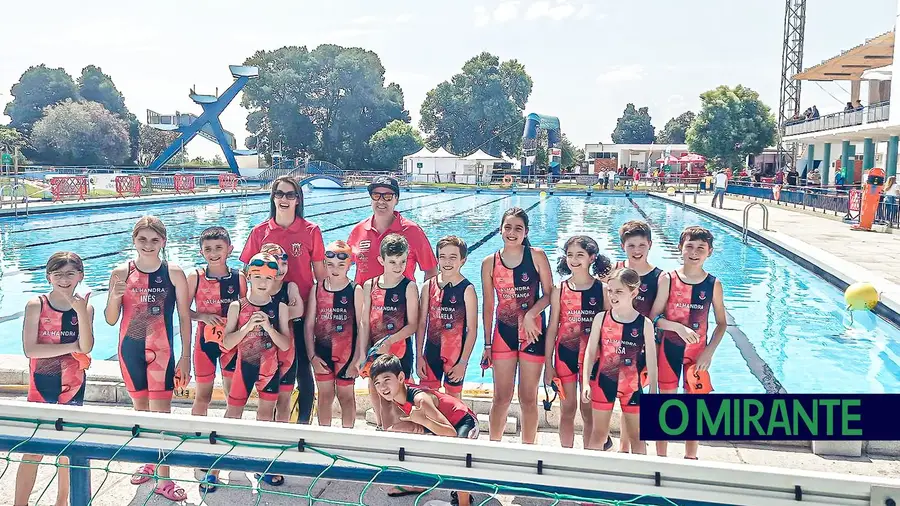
[
  {"x": 585, "y": 11},
  {"x": 482, "y": 18},
  {"x": 558, "y": 11},
  {"x": 506, "y": 11},
  {"x": 404, "y": 18},
  {"x": 365, "y": 20},
  {"x": 622, "y": 73}
]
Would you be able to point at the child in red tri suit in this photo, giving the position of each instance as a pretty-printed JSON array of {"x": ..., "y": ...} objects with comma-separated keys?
[
  {"x": 573, "y": 305},
  {"x": 636, "y": 240},
  {"x": 389, "y": 317},
  {"x": 289, "y": 294},
  {"x": 332, "y": 340},
  {"x": 682, "y": 305},
  {"x": 515, "y": 342},
  {"x": 623, "y": 340},
  {"x": 448, "y": 321},
  {"x": 425, "y": 411},
  {"x": 57, "y": 336},
  {"x": 257, "y": 327},
  {"x": 212, "y": 288},
  {"x": 146, "y": 292}
]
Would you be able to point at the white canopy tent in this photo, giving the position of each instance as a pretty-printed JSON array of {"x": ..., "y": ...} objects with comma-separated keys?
[
  {"x": 427, "y": 166},
  {"x": 479, "y": 162}
]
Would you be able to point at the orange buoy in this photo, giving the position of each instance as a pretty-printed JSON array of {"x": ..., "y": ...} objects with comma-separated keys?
[{"x": 696, "y": 382}]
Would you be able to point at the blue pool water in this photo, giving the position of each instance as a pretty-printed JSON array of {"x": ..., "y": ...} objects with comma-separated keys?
[{"x": 789, "y": 328}]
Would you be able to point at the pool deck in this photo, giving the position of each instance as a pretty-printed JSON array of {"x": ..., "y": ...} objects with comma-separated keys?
[{"x": 819, "y": 242}]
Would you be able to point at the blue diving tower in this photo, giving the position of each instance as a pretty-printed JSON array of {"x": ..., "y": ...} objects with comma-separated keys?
[{"x": 207, "y": 125}]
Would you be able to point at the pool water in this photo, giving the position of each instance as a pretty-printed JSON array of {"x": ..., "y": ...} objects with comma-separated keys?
[{"x": 788, "y": 329}]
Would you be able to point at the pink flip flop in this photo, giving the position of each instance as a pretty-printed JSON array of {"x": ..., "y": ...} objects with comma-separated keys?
[
  {"x": 171, "y": 491},
  {"x": 143, "y": 474}
]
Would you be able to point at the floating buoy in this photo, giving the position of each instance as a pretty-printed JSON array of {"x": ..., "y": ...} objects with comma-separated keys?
[
  {"x": 670, "y": 192},
  {"x": 861, "y": 297},
  {"x": 543, "y": 194}
]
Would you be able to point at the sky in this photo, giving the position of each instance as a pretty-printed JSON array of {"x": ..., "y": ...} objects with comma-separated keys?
[{"x": 587, "y": 58}]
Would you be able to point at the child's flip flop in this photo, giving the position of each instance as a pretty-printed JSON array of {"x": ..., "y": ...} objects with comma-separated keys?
[
  {"x": 276, "y": 480},
  {"x": 143, "y": 474},
  {"x": 170, "y": 491},
  {"x": 208, "y": 484}
]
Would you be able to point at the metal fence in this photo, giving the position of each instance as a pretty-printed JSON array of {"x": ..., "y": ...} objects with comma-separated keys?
[{"x": 825, "y": 199}]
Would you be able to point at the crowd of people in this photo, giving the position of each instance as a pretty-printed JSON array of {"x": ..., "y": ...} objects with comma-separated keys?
[{"x": 292, "y": 318}]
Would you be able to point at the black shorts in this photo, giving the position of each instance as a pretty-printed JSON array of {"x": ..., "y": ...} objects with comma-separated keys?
[{"x": 467, "y": 428}]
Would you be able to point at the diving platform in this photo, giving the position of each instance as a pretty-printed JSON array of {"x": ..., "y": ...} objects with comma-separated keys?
[{"x": 207, "y": 124}]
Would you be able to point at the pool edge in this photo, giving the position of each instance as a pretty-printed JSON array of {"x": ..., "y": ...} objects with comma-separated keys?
[{"x": 887, "y": 308}]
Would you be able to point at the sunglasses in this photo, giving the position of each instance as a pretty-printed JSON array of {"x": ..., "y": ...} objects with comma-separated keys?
[
  {"x": 282, "y": 256},
  {"x": 262, "y": 263},
  {"x": 387, "y": 197},
  {"x": 340, "y": 256},
  {"x": 291, "y": 195}
]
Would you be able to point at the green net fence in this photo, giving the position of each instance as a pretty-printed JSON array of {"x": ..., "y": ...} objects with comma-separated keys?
[{"x": 370, "y": 493}]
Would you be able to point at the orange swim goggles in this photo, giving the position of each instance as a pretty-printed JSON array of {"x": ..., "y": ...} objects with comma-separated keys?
[
  {"x": 697, "y": 382},
  {"x": 558, "y": 391},
  {"x": 83, "y": 359}
]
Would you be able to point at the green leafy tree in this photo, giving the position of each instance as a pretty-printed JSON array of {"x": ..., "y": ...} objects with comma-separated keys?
[
  {"x": 326, "y": 103},
  {"x": 481, "y": 107},
  {"x": 10, "y": 139},
  {"x": 38, "y": 87},
  {"x": 81, "y": 133},
  {"x": 572, "y": 156},
  {"x": 152, "y": 143},
  {"x": 390, "y": 144},
  {"x": 733, "y": 123},
  {"x": 98, "y": 87},
  {"x": 634, "y": 127},
  {"x": 675, "y": 131}
]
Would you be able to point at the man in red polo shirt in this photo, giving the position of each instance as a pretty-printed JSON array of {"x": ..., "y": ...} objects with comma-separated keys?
[{"x": 365, "y": 238}]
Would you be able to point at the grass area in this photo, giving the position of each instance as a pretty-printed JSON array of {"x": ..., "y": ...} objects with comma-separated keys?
[{"x": 29, "y": 188}]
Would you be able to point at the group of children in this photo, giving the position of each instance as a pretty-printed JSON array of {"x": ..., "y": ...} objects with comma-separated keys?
[{"x": 638, "y": 326}]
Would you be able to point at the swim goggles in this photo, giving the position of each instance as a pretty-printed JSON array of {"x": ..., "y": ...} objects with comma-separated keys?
[
  {"x": 280, "y": 256},
  {"x": 340, "y": 256},
  {"x": 263, "y": 267}
]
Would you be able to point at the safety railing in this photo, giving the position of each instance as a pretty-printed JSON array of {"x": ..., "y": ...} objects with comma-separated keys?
[
  {"x": 872, "y": 113},
  {"x": 14, "y": 200},
  {"x": 747, "y": 219}
]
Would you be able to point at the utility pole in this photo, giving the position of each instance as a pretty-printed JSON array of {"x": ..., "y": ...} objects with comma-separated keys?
[{"x": 791, "y": 65}]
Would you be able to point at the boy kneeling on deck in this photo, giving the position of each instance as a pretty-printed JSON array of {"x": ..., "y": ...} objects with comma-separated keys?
[{"x": 425, "y": 411}]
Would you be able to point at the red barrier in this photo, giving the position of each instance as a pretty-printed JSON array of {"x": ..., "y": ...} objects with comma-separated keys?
[
  {"x": 184, "y": 183},
  {"x": 66, "y": 186},
  {"x": 128, "y": 186},
  {"x": 228, "y": 182}
]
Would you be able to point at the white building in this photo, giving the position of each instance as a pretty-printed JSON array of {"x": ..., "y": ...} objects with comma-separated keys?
[{"x": 639, "y": 156}]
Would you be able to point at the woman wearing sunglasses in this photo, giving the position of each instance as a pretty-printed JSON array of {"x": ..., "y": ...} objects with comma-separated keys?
[
  {"x": 365, "y": 238},
  {"x": 302, "y": 241}
]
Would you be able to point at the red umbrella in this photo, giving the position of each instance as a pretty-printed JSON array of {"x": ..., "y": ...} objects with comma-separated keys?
[
  {"x": 692, "y": 158},
  {"x": 669, "y": 160}
]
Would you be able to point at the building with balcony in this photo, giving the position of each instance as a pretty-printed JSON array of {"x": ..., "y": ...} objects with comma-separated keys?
[{"x": 865, "y": 134}]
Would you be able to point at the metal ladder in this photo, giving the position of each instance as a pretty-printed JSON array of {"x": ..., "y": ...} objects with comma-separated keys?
[
  {"x": 747, "y": 218},
  {"x": 13, "y": 200}
]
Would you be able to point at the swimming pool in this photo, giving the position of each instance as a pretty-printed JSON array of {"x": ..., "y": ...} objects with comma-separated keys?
[{"x": 788, "y": 328}]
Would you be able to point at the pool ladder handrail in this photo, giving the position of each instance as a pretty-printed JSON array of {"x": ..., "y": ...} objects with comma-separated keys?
[
  {"x": 12, "y": 195},
  {"x": 747, "y": 219}
]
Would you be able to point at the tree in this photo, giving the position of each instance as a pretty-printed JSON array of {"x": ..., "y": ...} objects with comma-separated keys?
[
  {"x": 98, "y": 87},
  {"x": 326, "y": 103},
  {"x": 572, "y": 156},
  {"x": 152, "y": 143},
  {"x": 675, "y": 131},
  {"x": 634, "y": 127},
  {"x": 390, "y": 144},
  {"x": 10, "y": 139},
  {"x": 481, "y": 107},
  {"x": 38, "y": 87},
  {"x": 81, "y": 133},
  {"x": 733, "y": 123}
]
